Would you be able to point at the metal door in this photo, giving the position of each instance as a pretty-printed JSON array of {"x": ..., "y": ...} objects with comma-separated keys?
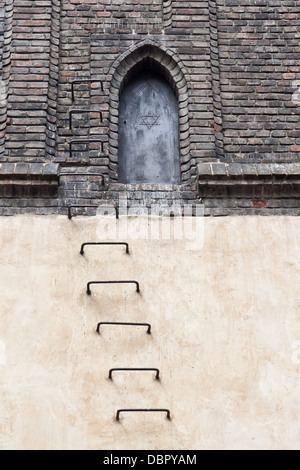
[{"x": 148, "y": 132}]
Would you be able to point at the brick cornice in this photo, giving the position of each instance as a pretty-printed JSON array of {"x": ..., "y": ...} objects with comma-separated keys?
[
  {"x": 244, "y": 173},
  {"x": 26, "y": 173},
  {"x": 215, "y": 75}
]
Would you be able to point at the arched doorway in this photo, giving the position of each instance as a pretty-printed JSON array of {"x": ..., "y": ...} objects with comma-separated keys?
[{"x": 148, "y": 131}]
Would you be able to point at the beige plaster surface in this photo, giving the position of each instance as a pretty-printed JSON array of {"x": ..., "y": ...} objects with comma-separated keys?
[{"x": 225, "y": 336}]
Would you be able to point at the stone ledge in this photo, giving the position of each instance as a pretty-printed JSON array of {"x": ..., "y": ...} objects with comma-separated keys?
[
  {"x": 231, "y": 173},
  {"x": 27, "y": 173}
]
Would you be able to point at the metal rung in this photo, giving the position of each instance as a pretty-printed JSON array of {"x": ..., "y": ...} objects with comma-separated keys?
[
  {"x": 151, "y": 410},
  {"x": 124, "y": 324},
  {"x": 79, "y": 81},
  {"x": 103, "y": 243},
  {"x": 84, "y": 141},
  {"x": 89, "y": 292},
  {"x": 134, "y": 369},
  {"x": 81, "y": 111}
]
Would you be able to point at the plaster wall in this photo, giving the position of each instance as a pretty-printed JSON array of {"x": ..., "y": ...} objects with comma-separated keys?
[{"x": 225, "y": 336}]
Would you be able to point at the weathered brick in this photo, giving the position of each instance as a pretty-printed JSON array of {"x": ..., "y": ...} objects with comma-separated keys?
[
  {"x": 240, "y": 63},
  {"x": 51, "y": 169}
]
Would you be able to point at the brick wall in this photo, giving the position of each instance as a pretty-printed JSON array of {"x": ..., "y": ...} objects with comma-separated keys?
[
  {"x": 235, "y": 66},
  {"x": 259, "y": 63},
  {"x": 96, "y": 34}
]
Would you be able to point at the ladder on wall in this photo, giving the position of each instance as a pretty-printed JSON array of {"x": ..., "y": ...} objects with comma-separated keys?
[{"x": 148, "y": 327}]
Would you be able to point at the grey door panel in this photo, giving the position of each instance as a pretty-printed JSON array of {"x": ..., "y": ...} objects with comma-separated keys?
[{"x": 148, "y": 132}]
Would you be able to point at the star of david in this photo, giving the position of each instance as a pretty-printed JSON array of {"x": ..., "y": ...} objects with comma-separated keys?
[{"x": 149, "y": 120}]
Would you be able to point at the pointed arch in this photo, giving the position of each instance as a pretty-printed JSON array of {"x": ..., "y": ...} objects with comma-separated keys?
[{"x": 174, "y": 72}]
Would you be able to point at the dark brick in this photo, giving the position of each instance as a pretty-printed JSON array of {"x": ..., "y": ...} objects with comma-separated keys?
[
  {"x": 51, "y": 169},
  {"x": 36, "y": 169},
  {"x": 235, "y": 169},
  {"x": 21, "y": 169},
  {"x": 249, "y": 169},
  {"x": 263, "y": 169},
  {"x": 240, "y": 63},
  {"x": 204, "y": 169},
  {"x": 219, "y": 169}
]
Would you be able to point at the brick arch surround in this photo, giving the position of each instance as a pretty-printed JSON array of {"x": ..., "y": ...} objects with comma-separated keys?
[{"x": 177, "y": 77}]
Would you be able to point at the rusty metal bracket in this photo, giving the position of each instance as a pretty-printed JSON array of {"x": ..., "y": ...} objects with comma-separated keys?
[
  {"x": 151, "y": 410},
  {"x": 103, "y": 243},
  {"x": 124, "y": 324},
  {"x": 82, "y": 111},
  {"x": 134, "y": 369},
  {"x": 79, "y": 81},
  {"x": 89, "y": 292}
]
